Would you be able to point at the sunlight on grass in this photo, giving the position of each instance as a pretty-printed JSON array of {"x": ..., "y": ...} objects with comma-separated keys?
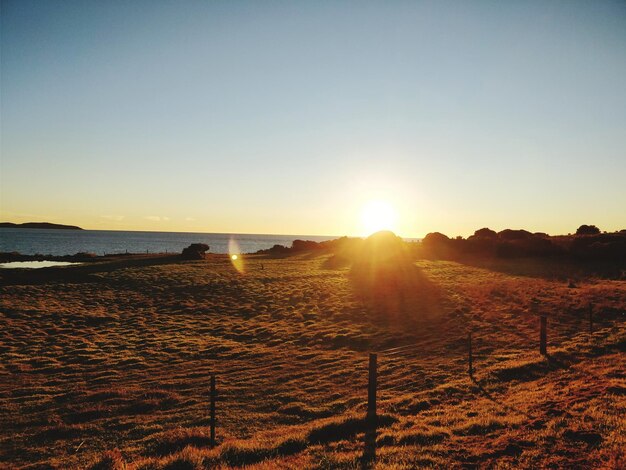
[{"x": 302, "y": 330}]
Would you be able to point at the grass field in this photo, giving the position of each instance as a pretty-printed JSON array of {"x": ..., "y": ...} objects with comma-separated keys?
[{"x": 110, "y": 367}]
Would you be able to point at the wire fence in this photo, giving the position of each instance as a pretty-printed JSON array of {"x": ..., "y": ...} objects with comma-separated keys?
[
  {"x": 488, "y": 342},
  {"x": 412, "y": 367}
]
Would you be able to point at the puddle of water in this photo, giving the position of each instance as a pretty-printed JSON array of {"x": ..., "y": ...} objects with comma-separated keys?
[{"x": 35, "y": 264}]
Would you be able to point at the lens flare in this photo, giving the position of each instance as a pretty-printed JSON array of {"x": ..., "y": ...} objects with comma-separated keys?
[{"x": 235, "y": 255}]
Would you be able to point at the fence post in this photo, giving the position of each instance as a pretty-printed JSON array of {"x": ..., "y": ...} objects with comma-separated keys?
[
  {"x": 590, "y": 318},
  {"x": 213, "y": 394},
  {"x": 543, "y": 335},
  {"x": 371, "y": 388},
  {"x": 469, "y": 355}
]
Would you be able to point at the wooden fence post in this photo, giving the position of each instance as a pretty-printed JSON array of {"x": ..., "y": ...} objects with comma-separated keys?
[
  {"x": 371, "y": 388},
  {"x": 543, "y": 335},
  {"x": 590, "y": 318},
  {"x": 469, "y": 355},
  {"x": 213, "y": 394}
]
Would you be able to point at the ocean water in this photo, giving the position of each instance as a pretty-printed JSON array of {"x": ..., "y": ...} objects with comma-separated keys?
[{"x": 68, "y": 242}]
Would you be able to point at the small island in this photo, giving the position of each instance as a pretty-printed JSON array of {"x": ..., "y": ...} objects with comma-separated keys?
[{"x": 39, "y": 225}]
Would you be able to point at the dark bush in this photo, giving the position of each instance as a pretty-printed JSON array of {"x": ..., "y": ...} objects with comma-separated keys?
[
  {"x": 508, "y": 234},
  {"x": 587, "y": 230},
  {"x": 534, "y": 246},
  {"x": 305, "y": 245},
  {"x": 195, "y": 251},
  {"x": 482, "y": 245},
  {"x": 275, "y": 250},
  {"x": 435, "y": 239},
  {"x": 600, "y": 247},
  {"x": 485, "y": 233},
  {"x": 438, "y": 245}
]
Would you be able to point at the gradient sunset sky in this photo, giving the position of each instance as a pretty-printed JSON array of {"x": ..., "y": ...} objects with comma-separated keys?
[{"x": 288, "y": 117}]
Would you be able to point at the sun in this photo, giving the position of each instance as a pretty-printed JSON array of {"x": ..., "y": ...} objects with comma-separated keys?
[{"x": 378, "y": 215}]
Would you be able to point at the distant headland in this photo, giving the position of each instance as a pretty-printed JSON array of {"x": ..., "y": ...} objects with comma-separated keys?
[{"x": 39, "y": 225}]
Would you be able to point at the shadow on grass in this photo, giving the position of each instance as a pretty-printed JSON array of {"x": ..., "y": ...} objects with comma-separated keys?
[
  {"x": 534, "y": 369},
  {"x": 348, "y": 428},
  {"x": 525, "y": 372},
  {"x": 545, "y": 268},
  {"x": 483, "y": 391},
  {"x": 369, "y": 445},
  {"x": 397, "y": 294},
  {"x": 385, "y": 278}
]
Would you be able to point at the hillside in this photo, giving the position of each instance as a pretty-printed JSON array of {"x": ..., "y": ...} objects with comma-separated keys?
[
  {"x": 45, "y": 225},
  {"x": 114, "y": 367}
]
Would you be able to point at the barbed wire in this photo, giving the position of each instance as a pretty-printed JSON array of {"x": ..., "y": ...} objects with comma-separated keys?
[
  {"x": 396, "y": 349},
  {"x": 394, "y": 376}
]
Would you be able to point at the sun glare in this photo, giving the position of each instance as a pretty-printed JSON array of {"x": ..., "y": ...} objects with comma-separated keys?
[{"x": 377, "y": 216}]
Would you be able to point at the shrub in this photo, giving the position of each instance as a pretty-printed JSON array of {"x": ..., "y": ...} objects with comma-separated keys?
[
  {"x": 587, "y": 230},
  {"x": 195, "y": 251},
  {"x": 435, "y": 239},
  {"x": 437, "y": 244},
  {"x": 485, "y": 233},
  {"x": 508, "y": 234},
  {"x": 305, "y": 245}
]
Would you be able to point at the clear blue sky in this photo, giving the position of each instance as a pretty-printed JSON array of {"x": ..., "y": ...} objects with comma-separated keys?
[{"x": 287, "y": 117}]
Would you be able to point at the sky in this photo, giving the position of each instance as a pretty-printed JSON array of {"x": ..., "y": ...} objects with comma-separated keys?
[{"x": 291, "y": 117}]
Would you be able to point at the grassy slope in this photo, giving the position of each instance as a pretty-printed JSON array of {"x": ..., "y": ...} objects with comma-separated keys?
[{"x": 122, "y": 360}]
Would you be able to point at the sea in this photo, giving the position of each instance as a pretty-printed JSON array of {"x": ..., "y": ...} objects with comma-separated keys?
[{"x": 69, "y": 242}]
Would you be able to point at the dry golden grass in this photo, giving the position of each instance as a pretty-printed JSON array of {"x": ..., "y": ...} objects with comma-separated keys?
[{"x": 112, "y": 370}]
